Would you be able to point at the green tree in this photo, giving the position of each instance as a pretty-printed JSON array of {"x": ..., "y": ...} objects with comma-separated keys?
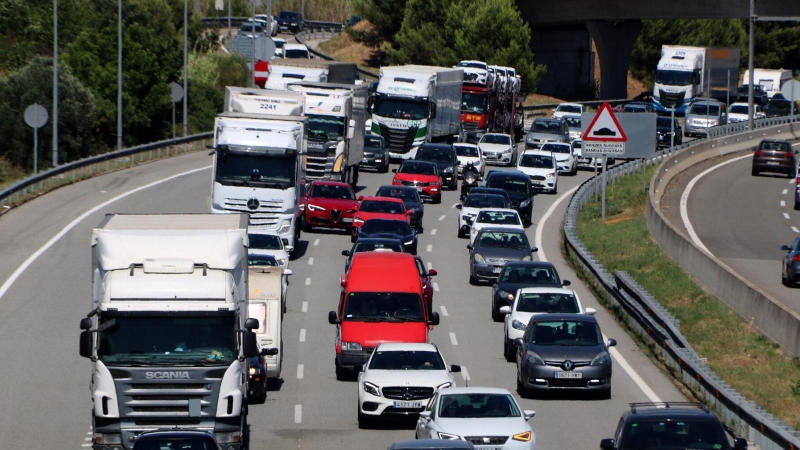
[
  {"x": 76, "y": 118},
  {"x": 209, "y": 74},
  {"x": 386, "y": 17},
  {"x": 777, "y": 45}
]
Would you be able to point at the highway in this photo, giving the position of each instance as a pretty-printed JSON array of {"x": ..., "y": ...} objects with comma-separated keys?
[
  {"x": 744, "y": 220},
  {"x": 45, "y": 270}
]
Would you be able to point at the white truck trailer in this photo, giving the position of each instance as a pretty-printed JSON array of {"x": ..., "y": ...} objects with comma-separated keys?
[
  {"x": 416, "y": 104},
  {"x": 770, "y": 79},
  {"x": 695, "y": 72},
  {"x": 336, "y": 116},
  {"x": 259, "y": 143},
  {"x": 168, "y": 334},
  {"x": 266, "y": 302},
  {"x": 285, "y": 71}
]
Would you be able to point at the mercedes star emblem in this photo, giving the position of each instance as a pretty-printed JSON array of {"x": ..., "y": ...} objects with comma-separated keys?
[
  {"x": 253, "y": 204},
  {"x": 407, "y": 394}
]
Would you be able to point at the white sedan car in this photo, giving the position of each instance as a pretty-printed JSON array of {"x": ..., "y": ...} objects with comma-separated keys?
[
  {"x": 536, "y": 300},
  {"x": 269, "y": 243},
  {"x": 473, "y": 204},
  {"x": 565, "y": 159},
  {"x": 495, "y": 218},
  {"x": 738, "y": 112},
  {"x": 497, "y": 148},
  {"x": 467, "y": 153},
  {"x": 489, "y": 418},
  {"x": 567, "y": 108},
  {"x": 399, "y": 380},
  {"x": 540, "y": 167}
]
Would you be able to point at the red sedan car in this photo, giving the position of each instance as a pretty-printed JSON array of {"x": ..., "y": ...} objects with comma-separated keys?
[
  {"x": 427, "y": 285},
  {"x": 422, "y": 175},
  {"x": 379, "y": 208},
  {"x": 329, "y": 204}
]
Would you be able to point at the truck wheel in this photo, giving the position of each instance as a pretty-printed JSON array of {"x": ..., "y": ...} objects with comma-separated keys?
[{"x": 354, "y": 176}]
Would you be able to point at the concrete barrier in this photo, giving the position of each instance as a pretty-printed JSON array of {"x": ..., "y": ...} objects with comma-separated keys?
[{"x": 770, "y": 317}]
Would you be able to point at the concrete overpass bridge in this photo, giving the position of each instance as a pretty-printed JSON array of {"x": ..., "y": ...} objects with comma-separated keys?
[{"x": 562, "y": 31}]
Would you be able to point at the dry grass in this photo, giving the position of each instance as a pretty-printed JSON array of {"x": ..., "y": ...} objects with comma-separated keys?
[{"x": 345, "y": 49}]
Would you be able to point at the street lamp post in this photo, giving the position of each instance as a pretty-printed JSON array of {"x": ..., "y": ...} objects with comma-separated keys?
[
  {"x": 55, "y": 83},
  {"x": 751, "y": 48},
  {"x": 119, "y": 77},
  {"x": 185, "y": 66}
]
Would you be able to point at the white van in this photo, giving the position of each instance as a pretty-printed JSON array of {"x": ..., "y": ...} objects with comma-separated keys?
[
  {"x": 265, "y": 302},
  {"x": 770, "y": 79}
]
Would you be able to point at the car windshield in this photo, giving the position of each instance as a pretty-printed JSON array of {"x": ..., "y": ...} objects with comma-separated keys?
[
  {"x": 565, "y": 332},
  {"x": 547, "y": 303},
  {"x": 663, "y": 434},
  {"x": 778, "y": 107},
  {"x": 738, "y": 109},
  {"x": 383, "y": 307},
  {"x": 332, "y": 191},
  {"x": 477, "y": 405},
  {"x": 664, "y": 122},
  {"x": 248, "y": 28},
  {"x": 674, "y": 77},
  {"x": 406, "y": 360},
  {"x": 501, "y": 139},
  {"x": 410, "y": 194},
  {"x": 703, "y": 110},
  {"x": 466, "y": 150},
  {"x": 401, "y": 109},
  {"x": 261, "y": 260},
  {"x": 503, "y": 239},
  {"x": 573, "y": 122},
  {"x": 288, "y": 15},
  {"x": 252, "y": 168},
  {"x": 556, "y": 148},
  {"x": 265, "y": 241},
  {"x": 537, "y": 161},
  {"x": 373, "y": 141},
  {"x": 417, "y": 168},
  {"x": 498, "y": 217},
  {"x": 295, "y": 53},
  {"x": 546, "y": 126},
  {"x": 508, "y": 184},
  {"x": 484, "y": 201},
  {"x": 386, "y": 226},
  {"x": 279, "y": 43},
  {"x": 377, "y": 206},
  {"x": 568, "y": 108},
  {"x": 634, "y": 108},
  {"x": 530, "y": 275},
  {"x": 169, "y": 443},
  {"x": 434, "y": 155},
  {"x": 475, "y": 64},
  {"x": 473, "y": 103},
  {"x": 382, "y": 246}
]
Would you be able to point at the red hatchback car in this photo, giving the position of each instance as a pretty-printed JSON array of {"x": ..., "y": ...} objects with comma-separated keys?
[
  {"x": 329, "y": 204},
  {"x": 422, "y": 175},
  {"x": 379, "y": 208}
]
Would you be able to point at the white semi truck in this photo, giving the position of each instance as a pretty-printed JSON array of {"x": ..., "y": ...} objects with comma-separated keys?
[
  {"x": 336, "y": 117},
  {"x": 285, "y": 71},
  {"x": 416, "y": 104},
  {"x": 168, "y": 334},
  {"x": 259, "y": 144},
  {"x": 690, "y": 72}
]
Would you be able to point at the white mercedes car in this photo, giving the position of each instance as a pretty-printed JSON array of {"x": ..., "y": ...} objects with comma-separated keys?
[
  {"x": 473, "y": 204},
  {"x": 540, "y": 167},
  {"x": 495, "y": 218},
  {"x": 399, "y": 379},
  {"x": 467, "y": 153},
  {"x": 565, "y": 159},
  {"x": 536, "y": 300},
  {"x": 488, "y": 418}
]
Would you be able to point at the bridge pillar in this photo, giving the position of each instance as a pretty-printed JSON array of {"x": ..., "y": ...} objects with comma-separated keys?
[{"x": 614, "y": 43}]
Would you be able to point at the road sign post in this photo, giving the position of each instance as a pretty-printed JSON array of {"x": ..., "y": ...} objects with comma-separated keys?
[
  {"x": 176, "y": 92},
  {"x": 35, "y": 117},
  {"x": 603, "y": 136}
]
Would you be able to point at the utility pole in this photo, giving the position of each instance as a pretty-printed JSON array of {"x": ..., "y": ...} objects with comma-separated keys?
[
  {"x": 751, "y": 48},
  {"x": 55, "y": 83},
  {"x": 185, "y": 66},
  {"x": 119, "y": 77}
]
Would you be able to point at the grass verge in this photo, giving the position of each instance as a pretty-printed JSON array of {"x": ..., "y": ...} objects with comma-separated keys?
[{"x": 734, "y": 350}]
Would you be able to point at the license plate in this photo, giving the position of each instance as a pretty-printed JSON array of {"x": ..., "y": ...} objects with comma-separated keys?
[
  {"x": 563, "y": 375},
  {"x": 538, "y": 183},
  {"x": 408, "y": 404},
  {"x": 773, "y": 163},
  {"x": 496, "y": 269},
  {"x": 419, "y": 189},
  {"x": 481, "y": 447},
  {"x": 347, "y": 220}
]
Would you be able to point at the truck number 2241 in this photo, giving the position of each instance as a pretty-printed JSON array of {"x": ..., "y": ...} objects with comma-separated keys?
[{"x": 267, "y": 106}]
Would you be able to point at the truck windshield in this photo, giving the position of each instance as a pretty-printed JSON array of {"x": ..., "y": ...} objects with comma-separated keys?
[
  {"x": 674, "y": 77},
  {"x": 327, "y": 128},
  {"x": 473, "y": 103},
  {"x": 174, "y": 339},
  {"x": 384, "y": 307},
  {"x": 270, "y": 169},
  {"x": 401, "y": 109}
]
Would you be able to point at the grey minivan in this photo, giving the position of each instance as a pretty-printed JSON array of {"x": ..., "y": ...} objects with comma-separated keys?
[
  {"x": 703, "y": 115},
  {"x": 548, "y": 129}
]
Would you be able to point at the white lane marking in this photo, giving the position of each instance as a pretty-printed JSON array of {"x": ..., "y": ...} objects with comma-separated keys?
[
  {"x": 430, "y": 266},
  {"x": 540, "y": 226},
  {"x": 311, "y": 261},
  {"x": 464, "y": 373},
  {"x": 300, "y": 369},
  {"x": 24, "y": 266},
  {"x": 785, "y": 191},
  {"x": 783, "y": 203},
  {"x": 795, "y": 230},
  {"x": 791, "y": 181},
  {"x": 104, "y": 192},
  {"x": 298, "y": 413},
  {"x": 316, "y": 242},
  {"x": 685, "y": 200},
  {"x": 305, "y": 307},
  {"x": 308, "y": 281},
  {"x": 442, "y": 218},
  {"x": 444, "y": 310},
  {"x": 86, "y": 445},
  {"x": 433, "y": 232},
  {"x": 453, "y": 339},
  {"x": 429, "y": 248},
  {"x": 786, "y": 216},
  {"x": 436, "y": 286},
  {"x": 303, "y": 335},
  {"x": 454, "y": 205}
]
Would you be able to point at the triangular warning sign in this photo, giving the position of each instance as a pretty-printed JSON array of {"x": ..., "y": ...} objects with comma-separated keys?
[{"x": 605, "y": 127}]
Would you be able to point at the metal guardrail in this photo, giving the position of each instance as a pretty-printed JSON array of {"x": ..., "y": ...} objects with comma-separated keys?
[
  {"x": 654, "y": 322},
  {"x": 68, "y": 173},
  {"x": 237, "y": 21}
]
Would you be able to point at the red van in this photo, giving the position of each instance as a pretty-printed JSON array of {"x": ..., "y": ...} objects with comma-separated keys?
[{"x": 381, "y": 301}]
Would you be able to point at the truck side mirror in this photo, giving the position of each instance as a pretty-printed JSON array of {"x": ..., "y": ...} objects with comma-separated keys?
[
  {"x": 333, "y": 319},
  {"x": 85, "y": 344},
  {"x": 433, "y": 110},
  {"x": 351, "y": 129},
  {"x": 86, "y": 323},
  {"x": 251, "y": 324},
  {"x": 249, "y": 344},
  {"x": 269, "y": 351}
]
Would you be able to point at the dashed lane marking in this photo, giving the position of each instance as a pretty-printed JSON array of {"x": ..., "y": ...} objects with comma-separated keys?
[
  {"x": 300, "y": 369},
  {"x": 795, "y": 230},
  {"x": 308, "y": 281},
  {"x": 433, "y": 232},
  {"x": 316, "y": 242},
  {"x": 436, "y": 286},
  {"x": 298, "y": 413},
  {"x": 454, "y": 205},
  {"x": 429, "y": 248},
  {"x": 311, "y": 261},
  {"x": 783, "y": 203},
  {"x": 785, "y": 191},
  {"x": 305, "y": 307},
  {"x": 786, "y": 216},
  {"x": 453, "y": 339},
  {"x": 303, "y": 335},
  {"x": 430, "y": 266},
  {"x": 442, "y": 218},
  {"x": 444, "y": 310},
  {"x": 465, "y": 374}
]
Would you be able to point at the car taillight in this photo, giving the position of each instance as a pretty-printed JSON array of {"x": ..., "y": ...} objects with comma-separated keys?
[
  {"x": 796, "y": 258},
  {"x": 788, "y": 155},
  {"x": 759, "y": 153}
]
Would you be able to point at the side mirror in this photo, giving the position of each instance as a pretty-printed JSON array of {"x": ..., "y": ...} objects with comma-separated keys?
[
  {"x": 433, "y": 110},
  {"x": 534, "y": 249},
  {"x": 425, "y": 415},
  {"x": 566, "y": 282},
  {"x": 432, "y": 273},
  {"x": 518, "y": 342},
  {"x": 469, "y": 246},
  {"x": 288, "y": 272},
  {"x": 468, "y": 220},
  {"x": 269, "y": 351},
  {"x": 591, "y": 311},
  {"x": 459, "y": 206},
  {"x": 612, "y": 343},
  {"x": 434, "y": 319},
  {"x": 288, "y": 248},
  {"x": 783, "y": 247},
  {"x": 607, "y": 444},
  {"x": 85, "y": 344},
  {"x": 505, "y": 309},
  {"x": 249, "y": 343},
  {"x": 739, "y": 443},
  {"x": 394, "y": 170},
  {"x": 409, "y": 212},
  {"x": 343, "y": 280},
  {"x": 358, "y": 368},
  {"x": 332, "y": 319},
  {"x": 345, "y": 252},
  {"x": 86, "y": 323},
  {"x": 360, "y": 198},
  {"x": 528, "y": 414},
  {"x": 285, "y": 242}
]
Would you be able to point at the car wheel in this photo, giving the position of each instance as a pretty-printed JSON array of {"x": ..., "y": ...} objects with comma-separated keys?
[
  {"x": 461, "y": 234},
  {"x": 521, "y": 388},
  {"x": 472, "y": 280},
  {"x": 508, "y": 350},
  {"x": 555, "y": 190},
  {"x": 363, "y": 421},
  {"x": 784, "y": 279},
  {"x": 341, "y": 374},
  {"x": 306, "y": 226},
  {"x": 437, "y": 199},
  {"x": 797, "y": 206},
  {"x": 605, "y": 394},
  {"x": 754, "y": 172},
  {"x": 793, "y": 173},
  {"x": 496, "y": 315}
]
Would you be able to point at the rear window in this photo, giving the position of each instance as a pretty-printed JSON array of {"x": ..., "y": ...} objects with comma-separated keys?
[
  {"x": 775, "y": 146},
  {"x": 695, "y": 434},
  {"x": 548, "y": 303},
  {"x": 377, "y": 206},
  {"x": 485, "y": 201}
]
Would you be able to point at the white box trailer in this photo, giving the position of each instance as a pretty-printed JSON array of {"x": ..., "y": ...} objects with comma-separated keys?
[
  {"x": 266, "y": 302},
  {"x": 770, "y": 79}
]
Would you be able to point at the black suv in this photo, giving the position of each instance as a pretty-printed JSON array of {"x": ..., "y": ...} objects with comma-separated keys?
[
  {"x": 672, "y": 425},
  {"x": 446, "y": 160},
  {"x": 290, "y": 21},
  {"x": 760, "y": 96}
]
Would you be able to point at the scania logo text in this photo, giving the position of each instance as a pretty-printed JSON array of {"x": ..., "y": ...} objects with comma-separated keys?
[{"x": 166, "y": 375}]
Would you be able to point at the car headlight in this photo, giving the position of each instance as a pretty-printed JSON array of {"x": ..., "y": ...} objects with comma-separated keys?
[
  {"x": 527, "y": 258},
  {"x": 524, "y": 203},
  {"x": 106, "y": 438},
  {"x": 524, "y": 437},
  {"x": 550, "y": 175},
  {"x": 315, "y": 207},
  {"x": 227, "y": 438},
  {"x": 506, "y": 295},
  {"x": 351, "y": 346},
  {"x": 533, "y": 358},
  {"x": 600, "y": 359},
  {"x": 517, "y": 325},
  {"x": 449, "y": 437},
  {"x": 478, "y": 258},
  {"x": 444, "y": 385},
  {"x": 409, "y": 242},
  {"x": 371, "y": 388},
  {"x": 448, "y": 170},
  {"x": 508, "y": 150},
  {"x": 252, "y": 371},
  {"x": 286, "y": 225},
  {"x": 282, "y": 261},
  {"x": 358, "y": 220},
  {"x": 469, "y": 179}
]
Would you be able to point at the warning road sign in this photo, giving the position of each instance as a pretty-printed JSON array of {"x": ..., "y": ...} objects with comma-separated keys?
[{"x": 605, "y": 127}]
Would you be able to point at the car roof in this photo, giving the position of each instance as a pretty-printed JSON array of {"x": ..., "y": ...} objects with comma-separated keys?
[
  {"x": 506, "y": 172},
  {"x": 496, "y": 134},
  {"x": 437, "y": 146},
  {"x": 474, "y": 390},
  {"x": 377, "y": 239},
  {"x": 329, "y": 183},
  {"x": 392, "y": 186},
  {"x": 501, "y": 230},
  {"x": 429, "y": 444},
  {"x": 418, "y": 161},
  {"x": 413, "y": 346},
  {"x": 539, "y": 264},
  {"x": 295, "y": 46},
  {"x": 563, "y": 144},
  {"x": 384, "y": 199},
  {"x": 565, "y": 316},
  {"x": 488, "y": 190},
  {"x": 536, "y": 151},
  {"x": 508, "y": 210},
  {"x": 548, "y": 119},
  {"x": 545, "y": 289},
  {"x": 670, "y": 410},
  {"x": 570, "y": 104}
]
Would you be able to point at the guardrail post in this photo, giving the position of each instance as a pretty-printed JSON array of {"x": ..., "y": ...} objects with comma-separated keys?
[{"x": 150, "y": 156}]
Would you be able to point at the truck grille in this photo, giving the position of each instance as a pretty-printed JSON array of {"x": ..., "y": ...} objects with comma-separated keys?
[
  {"x": 469, "y": 126},
  {"x": 669, "y": 98},
  {"x": 319, "y": 167},
  {"x": 486, "y": 440},
  {"x": 163, "y": 400},
  {"x": 398, "y": 140},
  {"x": 407, "y": 393},
  {"x": 265, "y": 215}
]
